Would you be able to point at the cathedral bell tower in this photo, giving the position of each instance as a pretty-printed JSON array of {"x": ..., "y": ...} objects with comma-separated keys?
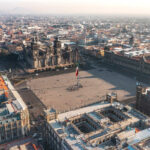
[
  {"x": 57, "y": 52},
  {"x": 35, "y": 53},
  {"x": 57, "y": 46},
  {"x": 34, "y": 47}
]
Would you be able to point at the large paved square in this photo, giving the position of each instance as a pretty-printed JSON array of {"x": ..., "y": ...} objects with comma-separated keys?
[{"x": 53, "y": 92}]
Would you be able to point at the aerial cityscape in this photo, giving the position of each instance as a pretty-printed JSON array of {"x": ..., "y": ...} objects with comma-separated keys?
[{"x": 74, "y": 75}]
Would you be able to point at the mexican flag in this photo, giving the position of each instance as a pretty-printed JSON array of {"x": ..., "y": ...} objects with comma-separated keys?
[{"x": 77, "y": 71}]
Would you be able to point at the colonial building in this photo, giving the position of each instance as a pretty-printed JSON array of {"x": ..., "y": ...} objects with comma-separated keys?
[
  {"x": 93, "y": 127},
  {"x": 139, "y": 63},
  {"x": 14, "y": 115},
  {"x": 39, "y": 55}
]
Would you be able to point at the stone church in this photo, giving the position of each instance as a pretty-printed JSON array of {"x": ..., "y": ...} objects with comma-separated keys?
[{"x": 39, "y": 55}]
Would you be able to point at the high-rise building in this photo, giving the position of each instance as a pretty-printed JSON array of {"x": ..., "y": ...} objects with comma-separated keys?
[{"x": 131, "y": 40}]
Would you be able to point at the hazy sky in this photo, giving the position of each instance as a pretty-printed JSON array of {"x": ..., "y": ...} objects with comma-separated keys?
[{"x": 80, "y": 6}]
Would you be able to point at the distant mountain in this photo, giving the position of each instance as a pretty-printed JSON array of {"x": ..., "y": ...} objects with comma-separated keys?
[
  {"x": 2, "y": 12},
  {"x": 21, "y": 10}
]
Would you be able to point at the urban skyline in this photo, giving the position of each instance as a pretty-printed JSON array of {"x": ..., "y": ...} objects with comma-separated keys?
[{"x": 74, "y": 75}]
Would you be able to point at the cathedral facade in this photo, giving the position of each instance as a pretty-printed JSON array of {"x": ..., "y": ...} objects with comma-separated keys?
[{"x": 39, "y": 55}]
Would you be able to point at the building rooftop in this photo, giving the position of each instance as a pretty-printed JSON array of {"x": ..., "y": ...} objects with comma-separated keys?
[
  {"x": 11, "y": 104},
  {"x": 94, "y": 126},
  {"x": 140, "y": 136}
]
